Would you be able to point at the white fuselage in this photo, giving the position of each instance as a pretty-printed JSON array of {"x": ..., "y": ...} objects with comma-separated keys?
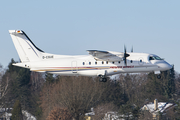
[
  {"x": 97, "y": 63},
  {"x": 88, "y": 66}
]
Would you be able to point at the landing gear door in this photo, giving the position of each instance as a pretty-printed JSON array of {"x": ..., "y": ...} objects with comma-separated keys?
[{"x": 74, "y": 67}]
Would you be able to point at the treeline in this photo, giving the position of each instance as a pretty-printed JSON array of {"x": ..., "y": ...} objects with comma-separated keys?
[
  {"x": 19, "y": 84},
  {"x": 53, "y": 97}
]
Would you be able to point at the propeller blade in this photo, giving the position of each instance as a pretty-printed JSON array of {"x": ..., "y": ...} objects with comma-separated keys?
[
  {"x": 125, "y": 56},
  {"x": 124, "y": 49},
  {"x": 125, "y": 61}
]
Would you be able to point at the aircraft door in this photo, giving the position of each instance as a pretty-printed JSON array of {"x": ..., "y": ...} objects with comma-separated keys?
[{"x": 74, "y": 66}]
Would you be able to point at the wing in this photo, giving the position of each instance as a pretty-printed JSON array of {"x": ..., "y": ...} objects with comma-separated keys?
[{"x": 106, "y": 55}]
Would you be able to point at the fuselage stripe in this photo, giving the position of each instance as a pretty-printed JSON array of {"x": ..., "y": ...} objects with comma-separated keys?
[{"x": 84, "y": 68}]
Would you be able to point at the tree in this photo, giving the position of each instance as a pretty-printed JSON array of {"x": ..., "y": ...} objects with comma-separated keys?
[
  {"x": 36, "y": 83},
  {"x": 1, "y": 72},
  {"x": 20, "y": 88},
  {"x": 17, "y": 112},
  {"x": 133, "y": 88},
  {"x": 17, "y": 85},
  {"x": 59, "y": 114},
  {"x": 154, "y": 88},
  {"x": 77, "y": 94},
  {"x": 177, "y": 110},
  {"x": 161, "y": 89},
  {"x": 4, "y": 89},
  {"x": 114, "y": 93},
  {"x": 171, "y": 82},
  {"x": 7, "y": 99}
]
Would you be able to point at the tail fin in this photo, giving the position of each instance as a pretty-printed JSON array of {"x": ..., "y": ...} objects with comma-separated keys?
[{"x": 26, "y": 49}]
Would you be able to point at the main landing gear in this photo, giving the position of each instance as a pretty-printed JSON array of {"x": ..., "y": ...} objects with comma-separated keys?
[{"x": 102, "y": 78}]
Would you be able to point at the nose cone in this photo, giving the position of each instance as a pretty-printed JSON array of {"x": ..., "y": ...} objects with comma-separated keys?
[{"x": 164, "y": 65}]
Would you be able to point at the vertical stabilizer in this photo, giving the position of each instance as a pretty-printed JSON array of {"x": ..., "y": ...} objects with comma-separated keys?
[{"x": 26, "y": 49}]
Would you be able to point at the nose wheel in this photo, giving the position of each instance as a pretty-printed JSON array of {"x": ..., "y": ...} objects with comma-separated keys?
[
  {"x": 158, "y": 73},
  {"x": 159, "y": 76}
]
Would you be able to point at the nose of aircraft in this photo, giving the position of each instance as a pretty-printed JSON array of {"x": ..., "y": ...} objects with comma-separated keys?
[{"x": 164, "y": 65}]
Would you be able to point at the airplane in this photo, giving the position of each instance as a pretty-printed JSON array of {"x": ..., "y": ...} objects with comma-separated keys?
[{"x": 97, "y": 63}]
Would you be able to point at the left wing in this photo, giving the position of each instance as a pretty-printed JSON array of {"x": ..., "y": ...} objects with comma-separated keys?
[{"x": 106, "y": 55}]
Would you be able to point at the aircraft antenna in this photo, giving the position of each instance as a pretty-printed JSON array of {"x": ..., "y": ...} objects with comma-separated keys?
[{"x": 132, "y": 49}]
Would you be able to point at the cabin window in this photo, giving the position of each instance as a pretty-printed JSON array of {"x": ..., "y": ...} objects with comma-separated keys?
[
  {"x": 106, "y": 62},
  {"x": 131, "y": 61},
  {"x": 102, "y": 62},
  {"x": 83, "y": 63},
  {"x": 119, "y": 62},
  {"x": 89, "y": 63},
  {"x": 140, "y": 60},
  {"x": 113, "y": 62},
  {"x": 96, "y": 63}
]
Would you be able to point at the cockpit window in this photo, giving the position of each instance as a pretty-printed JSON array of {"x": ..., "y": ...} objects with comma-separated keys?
[
  {"x": 158, "y": 58},
  {"x": 154, "y": 58},
  {"x": 151, "y": 58}
]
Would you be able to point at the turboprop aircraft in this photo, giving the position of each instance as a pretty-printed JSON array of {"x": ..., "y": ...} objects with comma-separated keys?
[{"x": 97, "y": 63}]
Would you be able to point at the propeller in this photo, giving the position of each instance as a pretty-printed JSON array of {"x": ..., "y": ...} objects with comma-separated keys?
[{"x": 125, "y": 56}]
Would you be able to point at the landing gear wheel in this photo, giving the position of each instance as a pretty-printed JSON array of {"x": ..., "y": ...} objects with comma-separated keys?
[
  {"x": 102, "y": 79},
  {"x": 158, "y": 76}
]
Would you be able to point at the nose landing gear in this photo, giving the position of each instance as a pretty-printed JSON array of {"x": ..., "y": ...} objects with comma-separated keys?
[
  {"x": 158, "y": 76},
  {"x": 158, "y": 73}
]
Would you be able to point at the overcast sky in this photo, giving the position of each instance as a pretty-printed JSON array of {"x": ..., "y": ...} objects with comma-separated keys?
[{"x": 73, "y": 26}]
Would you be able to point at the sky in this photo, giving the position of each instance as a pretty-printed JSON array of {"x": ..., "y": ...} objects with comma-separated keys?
[{"x": 70, "y": 27}]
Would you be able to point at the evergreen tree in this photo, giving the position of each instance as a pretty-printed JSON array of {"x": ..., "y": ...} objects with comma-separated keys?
[
  {"x": 126, "y": 110},
  {"x": 10, "y": 75},
  {"x": 115, "y": 94},
  {"x": 161, "y": 89},
  {"x": 12, "y": 68},
  {"x": 154, "y": 88},
  {"x": 19, "y": 87},
  {"x": 177, "y": 110},
  {"x": 168, "y": 82},
  {"x": 172, "y": 81},
  {"x": 17, "y": 112}
]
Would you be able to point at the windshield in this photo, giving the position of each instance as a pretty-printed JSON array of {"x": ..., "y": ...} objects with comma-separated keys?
[{"x": 155, "y": 58}]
